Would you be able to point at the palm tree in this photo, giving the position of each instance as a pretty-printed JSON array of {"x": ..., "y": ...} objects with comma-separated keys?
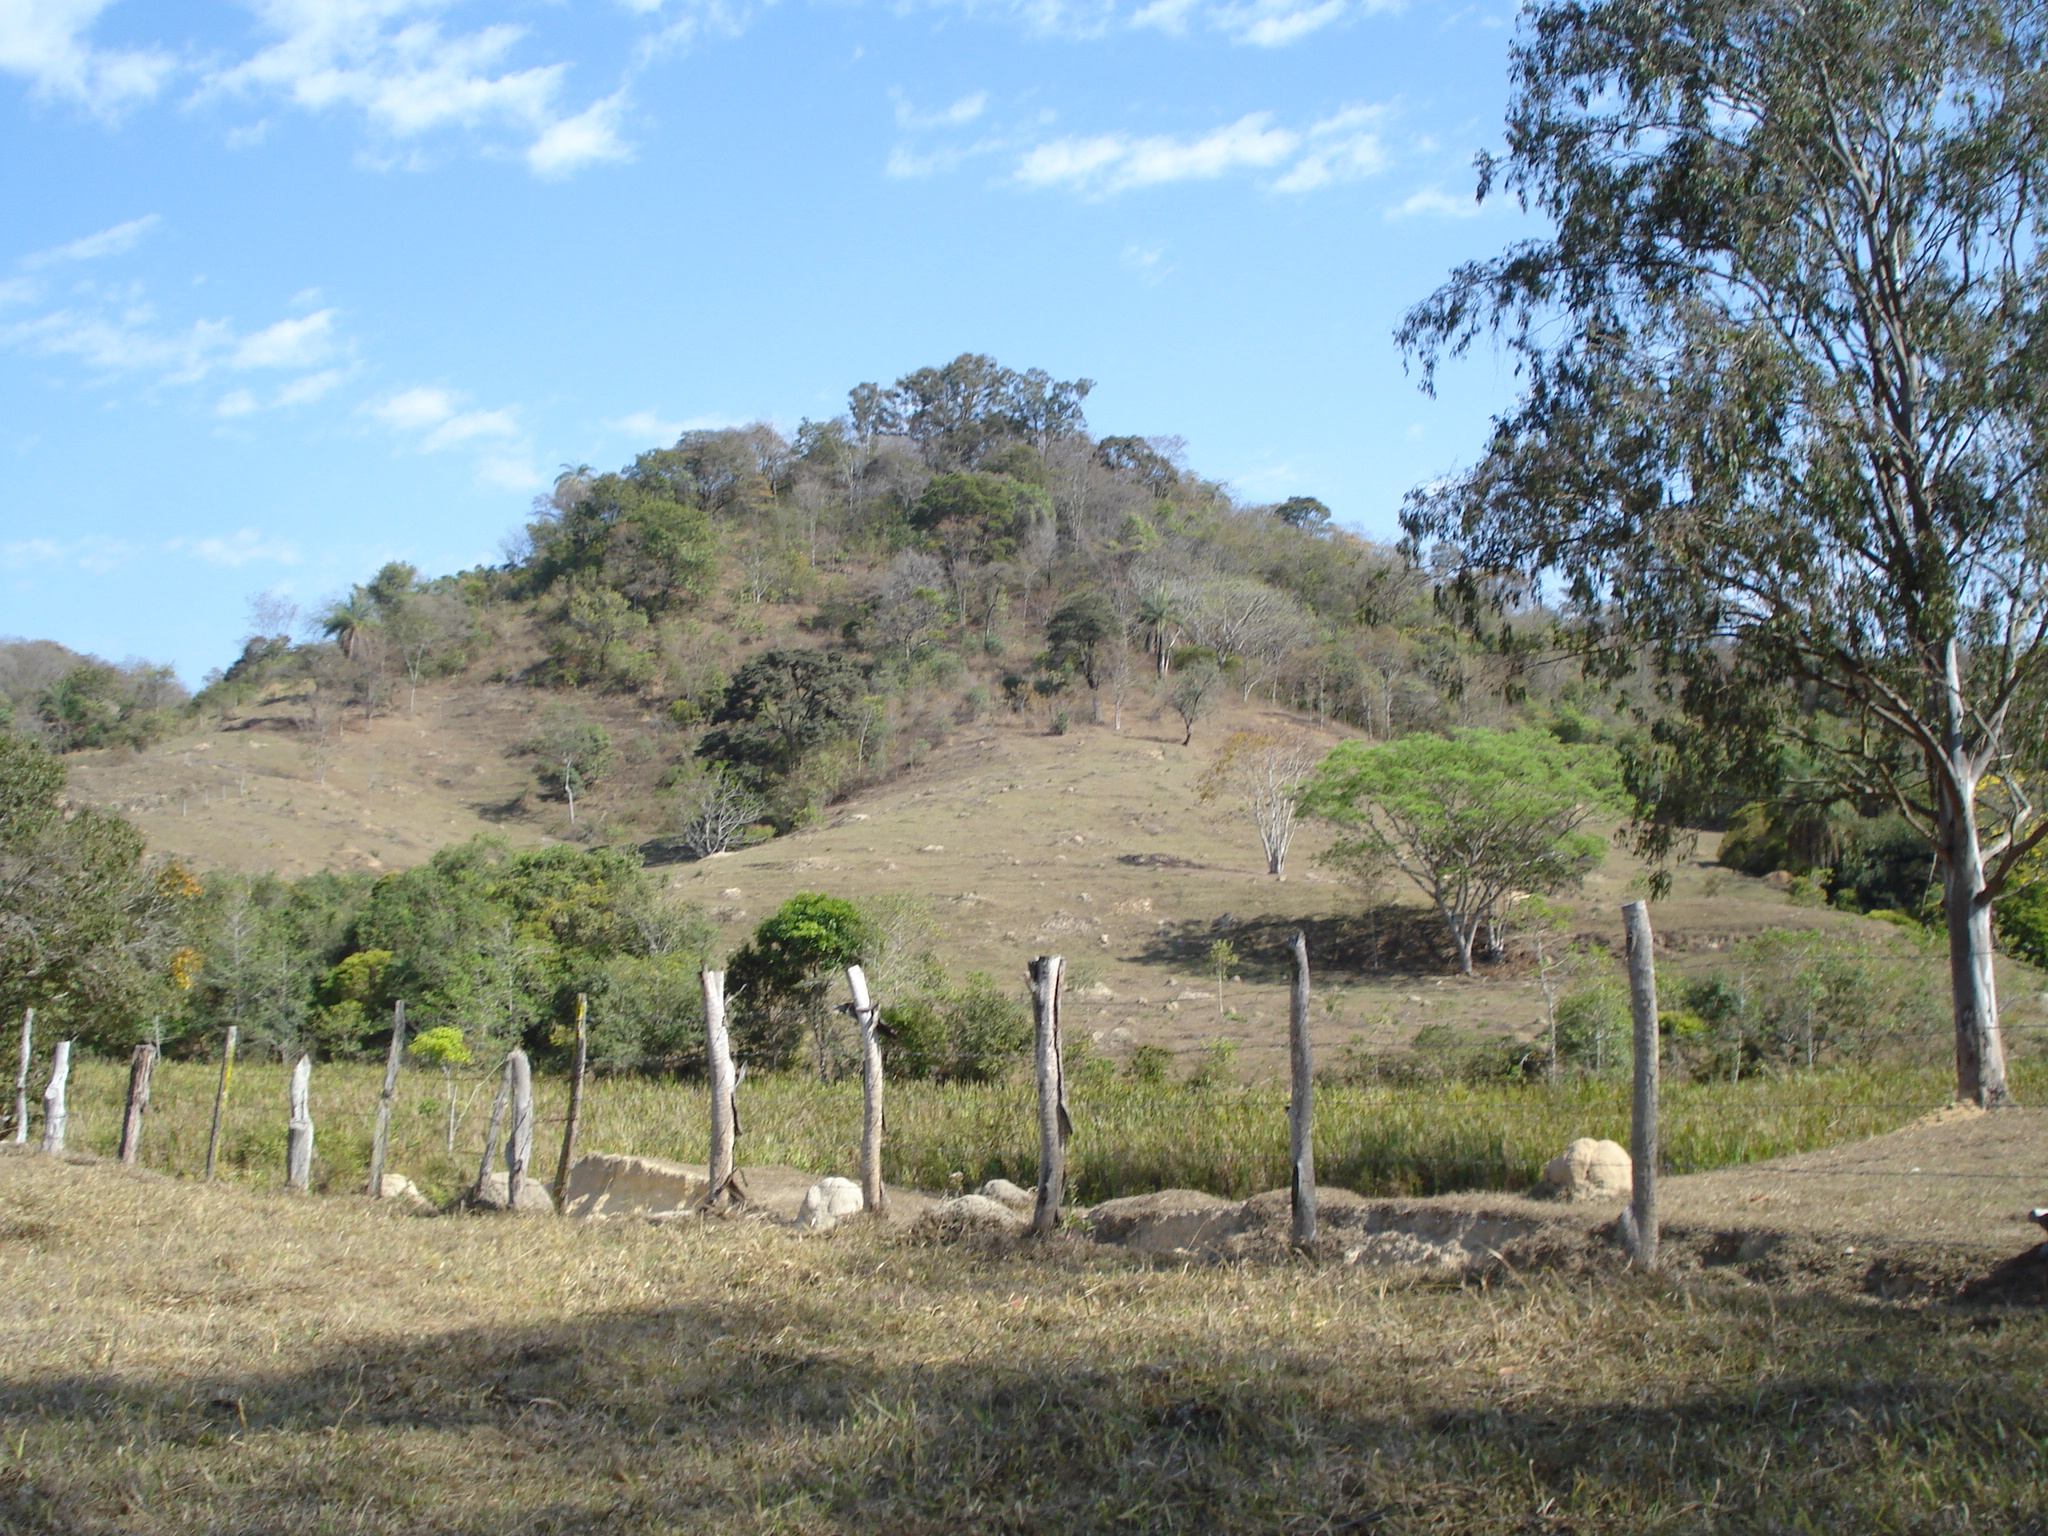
[
  {"x": 1159, "y": 614},
  {"x": 348, "y": 618}
]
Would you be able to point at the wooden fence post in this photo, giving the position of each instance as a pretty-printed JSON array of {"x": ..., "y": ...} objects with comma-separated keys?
[
  {"x": 724, "y": 1126},
  {"x": 55, "y": 1115},
  {"x": 298, "y": 1142},
  {"x": 220, "y": 1097},
  {"x": 1642, "y": 991},
  {"x": 519, "y": 1135},
  {"x": 28, "y": 1041},
  {"x": 576, "y": 1069},
  {"x": 498, "y": 1102},
  {"x": 380, "y": 1139},
  {"x": 1054, "y": 1124},
  {"x": 873, "y": 1194},
  {"x": 140, "y": 1069},
  {"x": 1301, "y": 1107}
]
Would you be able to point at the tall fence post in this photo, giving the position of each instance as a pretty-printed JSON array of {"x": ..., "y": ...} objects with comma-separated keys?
[
  {"x": 519, "y": 1135},
  {"x": 380, "y": 1139},
  {"x": 498, "y": 1103},
  {"x": 220, "y": 1097},
  {"x": 1301, "y": 1108},
  {"x": 718, "y": 1055},
  {"x": 140, "y": 1069},
  {"x": 1642, "y": 996},
  {"x": 872, "y": 1192},
  {"x": 298, "y": 1141},
  {"x": 1054, "y": 1125},
  {"x": 28, "y": 1042},
  {"x": 55, "y": 1115},
  {"x": 575, "y": 1115}
]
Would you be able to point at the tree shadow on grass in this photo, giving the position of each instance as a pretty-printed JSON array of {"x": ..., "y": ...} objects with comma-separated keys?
[
  {"x": 755, "y": 1413},
  {"x": 1387, "y": 939}
]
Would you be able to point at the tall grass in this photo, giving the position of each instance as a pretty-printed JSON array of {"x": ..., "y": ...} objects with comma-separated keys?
[{"x": 1128, "y": 1137}]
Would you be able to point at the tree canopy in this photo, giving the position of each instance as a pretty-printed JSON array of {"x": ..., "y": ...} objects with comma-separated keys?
[{"x": 1782, "y": 430}]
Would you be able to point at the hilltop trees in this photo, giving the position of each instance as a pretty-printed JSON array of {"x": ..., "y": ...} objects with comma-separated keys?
[{"x": 1782, "y": 432}]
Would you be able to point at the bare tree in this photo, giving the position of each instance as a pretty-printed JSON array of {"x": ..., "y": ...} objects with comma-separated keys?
[{"x": 1261, "y": 771}]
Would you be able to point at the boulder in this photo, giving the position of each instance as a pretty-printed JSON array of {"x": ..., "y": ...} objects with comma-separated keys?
[
  {"x": 396, "y": 1186},
  {"x": 1591, "y": 1170},
  {"x": 967, "y": 1216},
  {"x": 1023, "y": 1201},
  {"x": 613, "y": 1184},
  {"x": 829, "y": 1202},
  {"x": 1165, "y": 1221},
  {"x": 533, "y": 1195}
]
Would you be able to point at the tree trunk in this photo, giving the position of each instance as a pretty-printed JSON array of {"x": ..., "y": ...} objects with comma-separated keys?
[{"x": 1973, "y": 986}]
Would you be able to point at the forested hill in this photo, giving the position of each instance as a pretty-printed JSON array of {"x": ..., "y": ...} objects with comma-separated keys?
[{"x": 739, "y": 627}]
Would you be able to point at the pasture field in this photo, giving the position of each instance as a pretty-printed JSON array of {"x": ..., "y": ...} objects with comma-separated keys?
[
  {"x": 176, "y": 1358},
  {"x": 1129, "y": 1138}
]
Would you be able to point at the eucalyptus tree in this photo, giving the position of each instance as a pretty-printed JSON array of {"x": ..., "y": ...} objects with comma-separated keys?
[{"x": 1782, "y": 426}]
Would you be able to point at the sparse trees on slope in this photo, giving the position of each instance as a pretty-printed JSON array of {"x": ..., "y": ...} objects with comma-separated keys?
[
  {"x": 1263, "y": 771},
  {"x": 1783, "y": 430}
]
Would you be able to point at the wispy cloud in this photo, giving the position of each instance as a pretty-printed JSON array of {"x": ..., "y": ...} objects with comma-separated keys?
[
  {"x": 1435, "y": 203},
  {"x": 93, "y": 553},
  {"x": 246, "y": 546},
  {"x": 592, "y": 135},
  {"x": 1338, "y": 148},
  {"x": 961, "y": 112},
  {"x": 438, "y": 419},
  {"x": 115, "y": 241},
  {"x": 1255, "y": 23},
  {"x": 47, "y": 43}
]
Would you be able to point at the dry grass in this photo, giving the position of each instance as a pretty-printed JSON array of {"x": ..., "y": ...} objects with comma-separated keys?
[
  {"x": 1129, "y": 1138},
  {"x": 174, "y": 1358}
]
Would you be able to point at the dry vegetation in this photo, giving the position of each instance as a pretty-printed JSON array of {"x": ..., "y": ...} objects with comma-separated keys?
[{"x": 178, "y": 1358}]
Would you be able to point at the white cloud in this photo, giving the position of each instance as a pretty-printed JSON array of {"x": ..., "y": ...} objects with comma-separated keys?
[
  {"x": 236, "y": 402},
  {"x": 958, "y": 115},
  {"x": 1435, "y": 202},
  {"x": 646, "y": 426},
  {"x": 1116, "y": 162},
  {"x": 1342, "y": 147},
  {"x": 244, "y": 547},
  {"x": 467, "y": 426},
  {"x": 46, "y": 43},
  {"x": 415, "y": 410},
  {"x": 297, "y": 343},
  {"x": 115, "y": 241},
  {"x": 304, "y": 391},
  {"x": 574, "y": 142},
  {"x": 94, "y": 553},
  {"x": 1170, "y": 16},
  {"x": 1147, "y": 261},
  {"x": 439, "y": 421},
  {"x": 1275, "y": 23}
]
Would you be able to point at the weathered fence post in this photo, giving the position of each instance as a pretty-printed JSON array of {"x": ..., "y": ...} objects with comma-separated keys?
[
  {"x": 28, "y": 1041},
  {"x": 519, "y": 1135},
  {"x": 220, "y": 1097},
  {"x": 718, "y": 1057},
  {"x": 55, "y": 1115},
  {"x": 872, "y": 1193},
  {"x": 380, "y": 1139},
  {"x": 298, "y": 1141},
  {"x": 568, "y": 1157},
  {"x": 1642, "y": 996},
  {"x": 498, "y": 1102},
  {"x": 1301, "y": 1155},
  {"x": 1054, "y": 1125},
  {"x": 140, "y": 1069}
]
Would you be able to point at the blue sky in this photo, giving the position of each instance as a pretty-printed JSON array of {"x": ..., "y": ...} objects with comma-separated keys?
[{"x": 293, "y": 287}]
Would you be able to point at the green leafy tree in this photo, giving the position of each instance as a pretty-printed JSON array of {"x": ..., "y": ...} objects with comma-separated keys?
[
  {"x": 780, "y": 977},
  {"x": 782, "y": 706},
  {"x": 1782, "y": 429},
  {"x": 1470, "y": 818},
  {"x": 597, "y": 638},
  {"x": 1080, "y": 632},
  {"x": 443, "y": 1046}
]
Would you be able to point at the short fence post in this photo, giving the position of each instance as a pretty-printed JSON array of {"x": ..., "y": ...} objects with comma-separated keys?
[
  {"x": 872, "y": 1192},
  {"x": 28, "y": 1041},
  {"x": 298, "y": 1142},
  {"x": 1642, "y": 990},
  {"x": 1054, "y": 1124},
  {"x": 498, "y": 1102},
  {"x": 220, "y": 1098},
  {"x": 519, "y": 1136},
  {"x": 380, "y": 1139},
  {"x": 576, "y": 1070},
  {"x": 724, "y": 1128},
  {"x": 55, "y": 1116},
  {"x": 140, "y": 1068},
  {"x": 1301, "y": 1107}
]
